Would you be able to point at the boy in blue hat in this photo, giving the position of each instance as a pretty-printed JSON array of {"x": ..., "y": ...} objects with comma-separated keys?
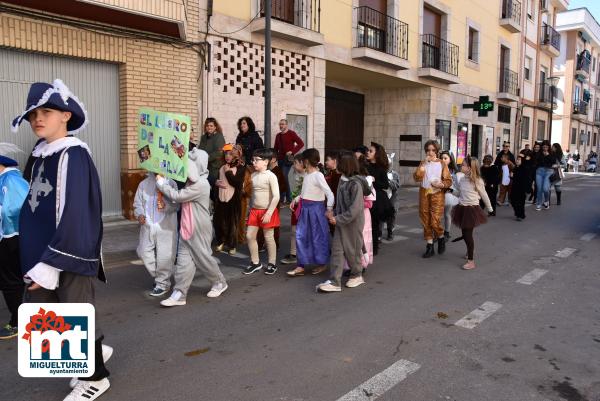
[
  {"x": 13, "y": 189},
  {"x": 61, "y": 219}
]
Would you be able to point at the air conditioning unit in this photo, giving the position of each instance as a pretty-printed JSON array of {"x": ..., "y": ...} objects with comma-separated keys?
[{"x": 543, "y": 5}]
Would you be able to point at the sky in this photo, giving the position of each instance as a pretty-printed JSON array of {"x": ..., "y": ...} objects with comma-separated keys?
[{"x": 592, "y": 5}]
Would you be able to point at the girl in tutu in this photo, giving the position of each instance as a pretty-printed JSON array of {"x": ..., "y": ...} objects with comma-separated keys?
[{"x": 467, "y": 214}]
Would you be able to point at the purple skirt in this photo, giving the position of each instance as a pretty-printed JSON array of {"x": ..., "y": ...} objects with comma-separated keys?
[
  {"x": 312, "y": 234},
  {"x": 468, "y": 216}
]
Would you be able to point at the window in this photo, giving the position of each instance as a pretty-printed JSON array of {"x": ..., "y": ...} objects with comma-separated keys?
[
  {"x": 525, "y": 128},
  {"x": 588, "y": 138},
  {"x": 581, "y": 137},
  {"x": 506, "y": 135},
  {"x": 594, "y": 64},
  {"x": 531, "y": 9},
  {"x": 503, "y": 114},
  {"x": 527, "y": 68},
  {"x": 473, "y": 51},
  {"x": 577, "y": 91},
  {"x": 574, "y": 136},
  {"x": 541, "y": 130},
  {"x": 442, "y": 133},
  {"x": 595, "y": 143}
]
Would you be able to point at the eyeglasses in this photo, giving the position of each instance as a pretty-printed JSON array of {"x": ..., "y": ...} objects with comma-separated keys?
[{"x": 257, "y": 159}]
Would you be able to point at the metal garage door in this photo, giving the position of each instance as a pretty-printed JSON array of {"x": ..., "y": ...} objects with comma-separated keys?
[{"x": 95, "y": 84}]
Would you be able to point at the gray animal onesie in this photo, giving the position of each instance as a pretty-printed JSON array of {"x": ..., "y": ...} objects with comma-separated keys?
[
  {"x": 196, "y": 229},
  {"x": 347, "y": 243}
]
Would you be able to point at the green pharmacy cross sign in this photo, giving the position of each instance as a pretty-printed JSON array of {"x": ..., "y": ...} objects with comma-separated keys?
[{"x": 482, "y": 106}]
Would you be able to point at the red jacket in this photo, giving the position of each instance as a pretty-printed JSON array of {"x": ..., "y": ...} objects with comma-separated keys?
[{"x": 288, "y": 142}]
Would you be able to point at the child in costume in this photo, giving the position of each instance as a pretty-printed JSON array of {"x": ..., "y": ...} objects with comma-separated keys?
[
  {"x": 435, "y": 178},
  {"x": 13, "y": 190},
  {"x": 312, "y": 232},
  {"x": 451, "y": 194},
  {"x": 228, "y": 203},
  {"x": 264, "y": 212},
  {"x": 468, "y": 214},
  {"x": 295, "y": 178},
  {"x": 521, "y": 186},
  {"x": 332, "y": 176},
  {"x": 349, "y": 221},
  {"x": 491, "y": 174},
  {"x": 61, "y": 220},
  {"x": 195, "y": 229},
  {"x": 158, "y": 232},
  {"x": 392, "y": 193}
]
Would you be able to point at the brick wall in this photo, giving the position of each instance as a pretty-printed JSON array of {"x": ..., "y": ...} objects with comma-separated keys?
[{"x": 152, "y": 74}]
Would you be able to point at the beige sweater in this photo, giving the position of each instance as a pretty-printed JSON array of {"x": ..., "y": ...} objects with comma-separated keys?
[
  {"x": 470, "y": 194},
  {"x": 265, "y": 190}
]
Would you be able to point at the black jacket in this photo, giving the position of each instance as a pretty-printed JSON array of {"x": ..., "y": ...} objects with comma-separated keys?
[
  {"x": 250, "y": 142},
  {"x": 498, "y": 161},
  {"x": 491, "y": 175}
]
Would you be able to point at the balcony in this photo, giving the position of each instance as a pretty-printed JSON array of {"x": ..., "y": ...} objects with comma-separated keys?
[
  {"x": 380, "y": 39},
  {"x": 160, "y": 17},
  {"x": 509, "y": 86},
  {"x": 580, "y": 109},
  {"x": 294, "y": 20},
  {"x": 582, "y": 67},
  {"x": 550, "y": 41},
  {"x": 511, "y": 15},
  {"x": 439, "y": 59},
  {"x": 546, "y": 94}
]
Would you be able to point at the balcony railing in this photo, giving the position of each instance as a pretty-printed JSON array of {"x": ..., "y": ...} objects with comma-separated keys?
[
  {"x": 546, "y": 93},
  {"x": 381, "y": 32},
  {"x": 580, "y": 107},
  {"x": 583, "y": 62},
  {"x": 439, "y": 54},
  {"x": 550, "y": 36},
  {"x": 303, "y": 13},
  {"x": 511, "y": 9},
  {"x": 509, "y": 82}
]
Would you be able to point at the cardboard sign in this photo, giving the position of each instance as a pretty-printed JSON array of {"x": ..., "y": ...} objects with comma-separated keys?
[{"x": 163, "y": 140}]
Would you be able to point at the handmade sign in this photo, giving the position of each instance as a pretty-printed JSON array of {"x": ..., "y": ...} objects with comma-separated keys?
[{"x": 163, "y": 140}]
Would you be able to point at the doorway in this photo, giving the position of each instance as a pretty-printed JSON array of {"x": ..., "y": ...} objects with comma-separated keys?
[
  {"x": 344, "y": 119},
  {"x": 475, "y": 141}
]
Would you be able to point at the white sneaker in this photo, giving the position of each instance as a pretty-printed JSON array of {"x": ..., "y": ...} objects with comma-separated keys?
[
  {"x": 355, "y": 282},
  {"x": 217, "y": 289},
  {"x": 107, "y": 352},
  {"x": 174, "y": 300},
  {"x": 88, "y": 390},
  {"x": 328, "y": 286}
]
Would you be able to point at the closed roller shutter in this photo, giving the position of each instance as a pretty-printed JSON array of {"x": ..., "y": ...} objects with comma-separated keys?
[{"x": 96, "y": 84}]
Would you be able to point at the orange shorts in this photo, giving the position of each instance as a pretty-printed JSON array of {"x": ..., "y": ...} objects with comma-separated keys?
[{"x": 256, "y": 216}]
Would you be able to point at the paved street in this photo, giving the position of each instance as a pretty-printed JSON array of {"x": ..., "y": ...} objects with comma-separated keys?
[{"x": 524, "y": 325}]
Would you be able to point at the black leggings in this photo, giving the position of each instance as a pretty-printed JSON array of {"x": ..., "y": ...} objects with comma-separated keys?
[{"x": 467, "y": 234}]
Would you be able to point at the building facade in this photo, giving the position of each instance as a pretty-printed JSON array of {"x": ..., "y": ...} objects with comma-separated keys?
[{"x": 577, "y": 119}]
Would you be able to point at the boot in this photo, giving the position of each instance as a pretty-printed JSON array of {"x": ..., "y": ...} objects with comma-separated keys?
[
  {"x": 441, "y": 245},
  {"x": 429, "y": 252},
  {"x": 558, "y": 196},
  {"x": 447, "y": 234}
]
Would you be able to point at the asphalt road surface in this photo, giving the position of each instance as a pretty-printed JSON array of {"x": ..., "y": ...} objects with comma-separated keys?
[{"x": 524, "y": 325}]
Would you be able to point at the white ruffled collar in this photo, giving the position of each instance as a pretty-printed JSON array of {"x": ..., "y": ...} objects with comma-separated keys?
[{"x": 45, "y": 149}]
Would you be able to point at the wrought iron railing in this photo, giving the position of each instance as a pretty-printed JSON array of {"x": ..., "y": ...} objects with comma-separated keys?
[
  {"x": 583, "y": 62},
  {"x": 546, "y": 93},
  {"x": 550, "y": 36},
  {"x": 439, "y": 54},
  {"x": 580, "y": 107},
  {"x": 509, "y": 82},
  {"x": 302, "y": 13},
  {"x": 511, "y": 9},
  {"x": 381, "y": 32}
]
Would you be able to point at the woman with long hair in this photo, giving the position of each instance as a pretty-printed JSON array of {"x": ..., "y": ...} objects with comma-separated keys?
[
  {"x": 558, "y": 171},
  {"x": 212, "y": 142},
  {"x": 435, "y": 178},
  {"x": 451, "y": 194},
  {"x": 248, "y": 138},
  {"x": 546, "y": 162},
  {"x": 468, "y": 214},
  {"x": 377, "y": 166}
]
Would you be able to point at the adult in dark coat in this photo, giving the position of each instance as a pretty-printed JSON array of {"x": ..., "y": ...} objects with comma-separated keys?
[
  {"x": 248, "y": 138},
  {"x": 212, "y": 142},
  {"x": 505, "y": 151}
]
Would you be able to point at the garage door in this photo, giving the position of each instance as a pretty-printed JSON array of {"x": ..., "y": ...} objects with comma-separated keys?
[{"x": 95, "y": 84}]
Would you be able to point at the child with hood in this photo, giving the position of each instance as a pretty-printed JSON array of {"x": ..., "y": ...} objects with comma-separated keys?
[{"x": 195, "y": 230}]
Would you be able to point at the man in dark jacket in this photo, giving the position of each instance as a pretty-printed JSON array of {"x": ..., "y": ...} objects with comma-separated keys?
[{"x": 505, "y": 151}]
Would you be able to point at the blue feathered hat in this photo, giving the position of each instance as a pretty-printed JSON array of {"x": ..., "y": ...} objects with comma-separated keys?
[
  {"x": 54, "y": 96},
  {"x": 7, "y": 148}
]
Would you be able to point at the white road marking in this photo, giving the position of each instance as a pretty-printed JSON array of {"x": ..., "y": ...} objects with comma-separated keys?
[
  {"x": 532, "y": 276},
  {"x": 413, "y": 230},
  {"x": 565, "y": 253},
  {"x": 399, "y": 226},
  {"x": 240, "y": 255},
  {"x": 588, "y": 237},
  {"x": 395, "y": 239},
  {"x": 137, "y": 262},
  {"x": 473, "y": 319},
  {"x": 377, "y": 385}
]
